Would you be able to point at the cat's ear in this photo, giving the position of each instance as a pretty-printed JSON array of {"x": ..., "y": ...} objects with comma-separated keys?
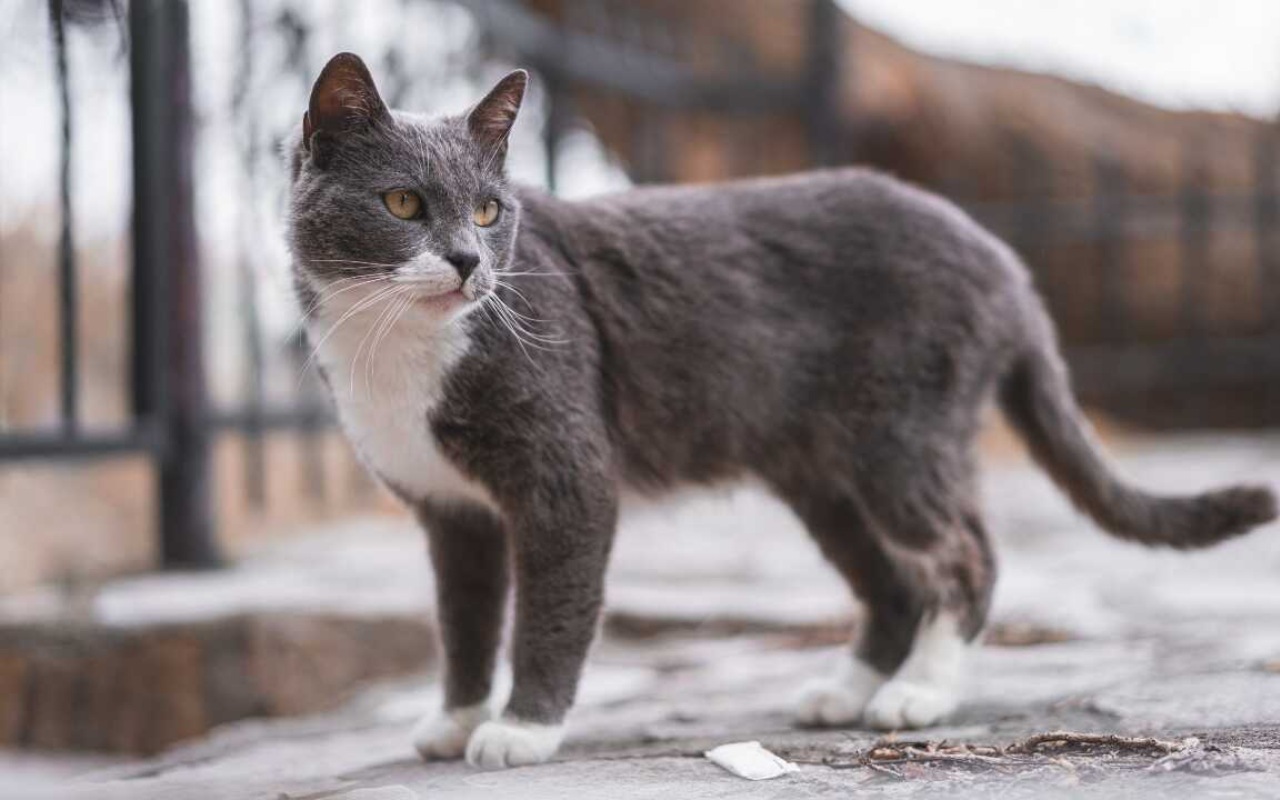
[
  {"x": 491, "y": 120},
  {"x": 343, "y": 99}
]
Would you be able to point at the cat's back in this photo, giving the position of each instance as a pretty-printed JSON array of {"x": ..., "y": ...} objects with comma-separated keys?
[
  {"x": 814, "y": 196},
  {"x": 824, "y": 234},
  {"x": 841, "y": 207}
]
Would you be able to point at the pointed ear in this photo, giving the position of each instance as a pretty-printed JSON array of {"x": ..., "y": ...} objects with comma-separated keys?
[
  {"x": 343, "y": 99},
  {"x": 491, "y": 120}
]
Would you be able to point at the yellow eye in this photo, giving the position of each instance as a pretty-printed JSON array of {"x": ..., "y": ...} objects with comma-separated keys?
[
  {"x": 403, "y": 203},
  {"x": 487, "y": 213}
]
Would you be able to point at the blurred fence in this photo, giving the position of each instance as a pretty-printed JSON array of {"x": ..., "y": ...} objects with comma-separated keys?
[
  {"x": 1122, "y": 365},
  {"x": 173, "y": 422},
  {"x": 171, "y": 419},
  {"x": 1117, "y": 366}
]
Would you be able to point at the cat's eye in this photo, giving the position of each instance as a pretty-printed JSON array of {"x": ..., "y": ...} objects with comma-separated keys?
[
  {"x": 402, "y": 203},
  {"x": 487, "y": 213}
]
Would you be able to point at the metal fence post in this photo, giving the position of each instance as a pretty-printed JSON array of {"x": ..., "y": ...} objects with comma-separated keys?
[
  {"x": 1266, "y": 224},
  {"x": 1110, "y": 217},
  {"x": 1033, "y": 218},
  {"x": 825, "y": 120},
  {"x": 1266, "y": 232},
  {"x": 554, "y": 128},
  {"x": 68, "y": 299},
  {"x": 1194, "y": 229},
  {"x": 168, "y": 355}
]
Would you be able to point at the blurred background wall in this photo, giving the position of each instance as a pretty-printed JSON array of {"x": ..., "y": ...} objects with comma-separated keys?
[{"x": 1127, "y": 149}]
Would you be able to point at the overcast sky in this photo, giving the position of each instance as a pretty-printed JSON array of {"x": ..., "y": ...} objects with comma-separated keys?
[{"x": 1220, "y": 54}]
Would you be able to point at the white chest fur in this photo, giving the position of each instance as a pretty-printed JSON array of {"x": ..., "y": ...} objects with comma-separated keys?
[{"x": 385, "y": 383}]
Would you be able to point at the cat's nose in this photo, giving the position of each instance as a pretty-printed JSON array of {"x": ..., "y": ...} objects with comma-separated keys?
[{"x": 464, "y": 261}]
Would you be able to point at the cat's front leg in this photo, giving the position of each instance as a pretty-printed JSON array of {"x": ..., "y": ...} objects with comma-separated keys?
[
  {"x": 469, "y": 553},
  {"x": 560, "y": 557}
]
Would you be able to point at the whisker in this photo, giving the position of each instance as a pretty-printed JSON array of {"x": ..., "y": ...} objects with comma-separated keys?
[
  {"x": 495, "y": 310},
  {"x": 399, "y": 307},
  {"x": 513, "y": 289},
  {"x": 331, "y": 292},
  {"x": 389, "y": 299},
  {"x": 533, "y": 338},
  {"x": 348, "y": 314},
  {"x": 349, "y": 261},
  {"x": 521, "y": 295},
  {"x": 525, "y": 323}
]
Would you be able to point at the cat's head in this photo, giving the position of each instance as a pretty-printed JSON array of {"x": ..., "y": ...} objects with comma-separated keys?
[{"x": 386, "y": 200}]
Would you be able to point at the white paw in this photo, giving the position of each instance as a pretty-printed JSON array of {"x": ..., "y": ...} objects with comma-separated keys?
[
  {"x": 838, "y": 700},
  {"x": 902, "y": 704},
  {"x": 509, "y": 743},
  {"x": 444, "y": 734}
]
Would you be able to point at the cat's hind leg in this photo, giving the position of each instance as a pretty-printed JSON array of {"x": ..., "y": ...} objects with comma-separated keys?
[
  {"x": 894, "y": 606},
  {"x": 919, "y": 560},
  {"x": 954, "y": 561},
  {"x": 839, "y": 699},
  {"x": 926, "y": 688}
]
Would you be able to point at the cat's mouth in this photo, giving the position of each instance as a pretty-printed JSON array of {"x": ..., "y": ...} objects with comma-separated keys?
[
  {"x": 432, "y": 295},
  {"x": 443, "y": 301}
]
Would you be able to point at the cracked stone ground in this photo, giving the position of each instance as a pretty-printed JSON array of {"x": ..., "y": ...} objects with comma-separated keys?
[{"x": 719, "y": 609}]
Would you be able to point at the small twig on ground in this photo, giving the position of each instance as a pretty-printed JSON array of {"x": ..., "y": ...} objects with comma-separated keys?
[
  {"x": 1032, "y": 743},
  {"x": 965, "y": 756},
  {"x": 893, "y": 773},
  {"x": 1041, "y": 751}
]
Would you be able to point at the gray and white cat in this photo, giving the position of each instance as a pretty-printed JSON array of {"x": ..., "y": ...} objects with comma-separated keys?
[{"x": 507, "y": 362}]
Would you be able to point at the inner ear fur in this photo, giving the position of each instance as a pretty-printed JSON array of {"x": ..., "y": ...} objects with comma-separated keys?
[
  {"x": 344, "y": 99},
  {"x": 491, "y": 120}
]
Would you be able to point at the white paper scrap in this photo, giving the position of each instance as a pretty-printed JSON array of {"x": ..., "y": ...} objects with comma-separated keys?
[{"x": 751, "y": 761}]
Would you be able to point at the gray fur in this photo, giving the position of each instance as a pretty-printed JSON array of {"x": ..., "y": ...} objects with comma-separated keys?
[{"x": 834, "y": 334}]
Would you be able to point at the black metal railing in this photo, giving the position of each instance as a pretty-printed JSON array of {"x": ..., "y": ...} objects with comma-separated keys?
[
  {"x": 167, "y": 420},
  {"x": 1117, "y": 366}
]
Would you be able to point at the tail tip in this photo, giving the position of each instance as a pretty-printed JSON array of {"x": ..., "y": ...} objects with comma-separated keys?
[{"x": 1246, "y": 507}]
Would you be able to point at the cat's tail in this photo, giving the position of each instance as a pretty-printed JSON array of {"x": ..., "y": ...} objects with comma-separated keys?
[{"x": 1036, "y": 397}]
